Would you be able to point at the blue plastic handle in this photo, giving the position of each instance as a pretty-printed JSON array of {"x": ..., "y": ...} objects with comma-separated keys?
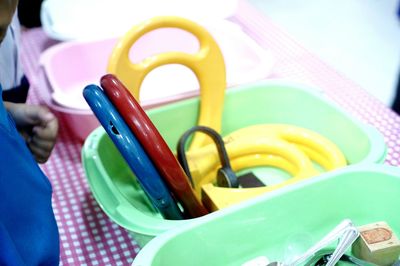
[{"x": 132, "y": 152}]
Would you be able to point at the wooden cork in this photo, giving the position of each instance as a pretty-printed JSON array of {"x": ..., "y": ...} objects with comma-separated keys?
[{"x": 377, "y": 243}]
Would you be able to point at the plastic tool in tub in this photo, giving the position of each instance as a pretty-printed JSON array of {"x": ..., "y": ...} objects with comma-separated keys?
[
  {"x": 287, "y": 147},
  {"x": 153, "y": 144},
  {"x": 207, "y": 64},
  {"x": 225, "y": 175},
  {"x": 132, "y": 151},
  {"x": 345, "y": 234}
]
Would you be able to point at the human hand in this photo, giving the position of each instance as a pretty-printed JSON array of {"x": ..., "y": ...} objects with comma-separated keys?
[{"x": 38, "y": 126}]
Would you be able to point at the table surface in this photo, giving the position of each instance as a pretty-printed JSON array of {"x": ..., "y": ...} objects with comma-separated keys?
[{"x": 88, "y": 236}]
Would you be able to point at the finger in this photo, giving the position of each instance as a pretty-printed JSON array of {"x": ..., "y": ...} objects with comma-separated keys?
[
  {"x": 39, "y": 154},
  {"x": 30, "y": 115},
  {"x": 45, "y": 115},
  {"x": 43, "y": 144},
  {"x": 48, "y": 131}
]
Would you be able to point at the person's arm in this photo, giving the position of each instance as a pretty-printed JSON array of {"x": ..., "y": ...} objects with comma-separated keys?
[{"x": 37, "y": 125}]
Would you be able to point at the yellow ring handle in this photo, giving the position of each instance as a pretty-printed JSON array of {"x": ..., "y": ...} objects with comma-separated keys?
[
  {"x": 286, "y": 147},
  {"x": 207, "y": 64},
  {"x": 319, "y": 149},
  {"x": 259, "y": 160},
  {"x": 216, "y": 198},
  {"x": 297, "y": 172},
  {"x": 242, "y": 154}
]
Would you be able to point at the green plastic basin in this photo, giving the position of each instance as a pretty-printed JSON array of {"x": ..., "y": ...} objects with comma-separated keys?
[
  {"x": 114, "y": 187},
  {"x": 281, "y": 223}
]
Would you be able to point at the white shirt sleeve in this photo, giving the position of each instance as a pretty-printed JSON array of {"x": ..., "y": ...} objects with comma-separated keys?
[{"x": 11, "y": 71}]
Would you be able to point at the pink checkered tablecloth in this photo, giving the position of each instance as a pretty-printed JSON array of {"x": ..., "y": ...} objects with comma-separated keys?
[{"x": 88, "y": 237}]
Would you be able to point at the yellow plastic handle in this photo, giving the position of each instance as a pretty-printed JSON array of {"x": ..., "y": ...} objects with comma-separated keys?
[
  {"x": 318, "y": 148},
  {"x": 267, "y": 152},
  {"x": 207, "y": 64},
  {"x": 286, "y": 147}
]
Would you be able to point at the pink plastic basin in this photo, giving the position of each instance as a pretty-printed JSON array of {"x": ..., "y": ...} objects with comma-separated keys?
[{"x": 70, "y": 66}]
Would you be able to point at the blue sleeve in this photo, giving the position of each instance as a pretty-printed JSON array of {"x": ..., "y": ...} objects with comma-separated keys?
[
  {"x": 28, "y": 230},
  {"x": 398, "y": 10}
]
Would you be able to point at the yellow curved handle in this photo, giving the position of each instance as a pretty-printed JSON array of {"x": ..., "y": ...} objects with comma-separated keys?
[
  {"x": 318, "y": 148},
  {"x": 268, "y": 152},
  {"x": 216, "y": 198},
  {"x": 207, "y": 64},
  {"x": 286, "y": 147}
]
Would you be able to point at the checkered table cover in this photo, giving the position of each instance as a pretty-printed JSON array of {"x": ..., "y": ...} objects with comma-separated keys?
[{"x": 88, "y": 237}]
